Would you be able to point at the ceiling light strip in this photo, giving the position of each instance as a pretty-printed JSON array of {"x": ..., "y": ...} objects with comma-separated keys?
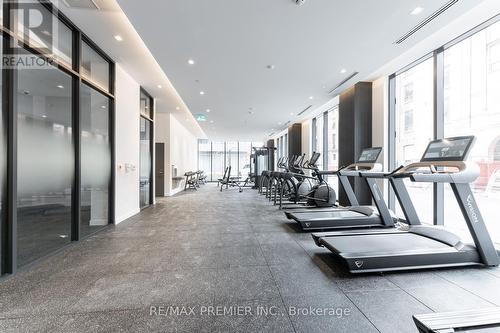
[
  {"x": 343, "y": 82},
  {"x": 429, "y": 19},
  {"x": 303, "y": 111}
]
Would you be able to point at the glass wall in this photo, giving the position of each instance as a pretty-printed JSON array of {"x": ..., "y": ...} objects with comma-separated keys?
[
  {"x": 95, "y": 160},
  {"x": 414, "y": 129},
  {"x": 218, "y": 160},
  {"x": 145, "y": 163},
  {"x": 205, "y": 157},
  {"x": 318, "y": 138},
  {"x": 467, "y": 103},
  {"x": 214, "y": 157},
  {"x": 244, "y": 152},
  {"x": 62, "y": 151},
  {"x": 45, "y": 162},
  {"x": 472, "y": 106},
  {"x": 333, "y": 145}
]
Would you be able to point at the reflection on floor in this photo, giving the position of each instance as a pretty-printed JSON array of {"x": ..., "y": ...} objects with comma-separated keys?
[
  {"x": 229, "y": 249},
  {"x": 43, "y": 229}
]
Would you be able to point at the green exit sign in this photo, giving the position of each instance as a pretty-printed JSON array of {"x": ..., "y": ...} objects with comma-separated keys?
[{"x": 201, "y": 117}]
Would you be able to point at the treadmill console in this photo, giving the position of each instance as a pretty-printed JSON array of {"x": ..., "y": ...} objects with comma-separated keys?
[
  {"x": 450, "y": 149},
  {"x": 369, "y": 155}
]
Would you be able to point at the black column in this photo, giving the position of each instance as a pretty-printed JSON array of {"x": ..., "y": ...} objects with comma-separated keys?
[
  {"x": 295, "y": 140},
  {"x": 355, "y": 134}
]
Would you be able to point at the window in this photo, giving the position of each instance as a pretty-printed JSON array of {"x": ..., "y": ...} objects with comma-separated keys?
[
  {"x": 218, "y": 158},
  {"x": 408, "y": 90},
  {"x": 205, "y": 157},
  {"x": 52, "y": 37},
  {"x": 319, "y": 139},
  {"x": 96, "y": 160},
  {"x": 245, "y": 150},
  {"x": 415, "y": 88},
  {"x": 474, "y": 109},
  {"x": 94, "y": 67},
  {"x": 332, "y": 142},
  {"x": 408, "y": 122},
  {"x": 45, "y": 163},
  {"x": 232, "y": 157}
]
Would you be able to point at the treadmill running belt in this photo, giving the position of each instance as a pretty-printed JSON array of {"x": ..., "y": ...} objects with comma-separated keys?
[
  {"x": 325, "y": 215},
  {"x": 385, "y": 243}
]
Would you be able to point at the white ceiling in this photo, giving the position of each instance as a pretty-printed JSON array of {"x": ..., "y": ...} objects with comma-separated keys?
[
  {"x": 131, "y": 55},
  {"x": 233, "y": 42}
]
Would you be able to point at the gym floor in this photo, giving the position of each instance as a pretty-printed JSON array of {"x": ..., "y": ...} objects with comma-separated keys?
[{"x": 206, "y": 248}]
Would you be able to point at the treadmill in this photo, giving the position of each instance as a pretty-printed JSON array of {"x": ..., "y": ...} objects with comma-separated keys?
[
  {"x": 354, "y": 216},
  {"x": 422, "y": 246}
]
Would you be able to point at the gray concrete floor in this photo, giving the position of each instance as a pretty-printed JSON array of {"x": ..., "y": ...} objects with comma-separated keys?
[{"x": 209, "y": 249}]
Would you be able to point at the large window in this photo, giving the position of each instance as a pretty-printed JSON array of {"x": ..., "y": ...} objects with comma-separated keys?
[
  {"x": 466, "y": 78},
  {"x": 472, "y": 106},
  {"x": 218, "y": 160},
  {"x": 318, "y": 138},
  {"x": 414, "y": 93},
  {"x": 214, "y": 157},
  {"x": 333, "y": 145},
  {"x": 232, "y": 157}
]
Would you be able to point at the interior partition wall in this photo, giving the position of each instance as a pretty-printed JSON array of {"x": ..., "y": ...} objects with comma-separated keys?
[
  {"x": 57, "y": 126},
  {"x": 146, "y": 128},
  {"x": 451, "y": 92}
]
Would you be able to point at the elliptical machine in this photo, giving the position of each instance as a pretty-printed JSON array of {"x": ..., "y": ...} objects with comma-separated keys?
[{"x": 318, "y": 194}]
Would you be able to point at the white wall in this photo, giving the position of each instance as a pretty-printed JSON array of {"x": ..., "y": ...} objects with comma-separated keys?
[
  {"x": 181, "y": 149},
  {"x": 127, "y": 146}
]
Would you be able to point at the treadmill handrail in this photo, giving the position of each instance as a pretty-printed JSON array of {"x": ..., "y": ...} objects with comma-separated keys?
[
  {"x": 432, "y": 172},
  {"x": 354, "y": 169},
  {"x": 381, "y": 175}
]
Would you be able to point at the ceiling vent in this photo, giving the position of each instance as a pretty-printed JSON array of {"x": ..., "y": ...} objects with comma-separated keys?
[
  {"x": 344, "y": 81},
  {"x": 428, "y": 20},
  {"x": 81, "y": 4},
  {"x": 303, "y": 111}
]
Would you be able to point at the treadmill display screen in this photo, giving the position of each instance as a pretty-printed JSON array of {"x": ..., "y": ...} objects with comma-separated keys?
[
  {"x": 451, "y": 149},
  {"x": 370, "y": 155}
]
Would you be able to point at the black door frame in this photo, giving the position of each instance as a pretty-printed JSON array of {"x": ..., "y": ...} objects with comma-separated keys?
[{"x": 8, "y": 227}]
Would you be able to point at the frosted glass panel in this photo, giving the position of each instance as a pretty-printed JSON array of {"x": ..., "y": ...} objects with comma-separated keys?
[
  {"x": 45, "y": 162},
  {"x": 96, "y": 160}
]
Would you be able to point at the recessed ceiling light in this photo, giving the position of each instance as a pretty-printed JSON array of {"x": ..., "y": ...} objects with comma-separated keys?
[
  {"x": 417, "y": 10},
  {"x": 211, "y": 121},
  {"x": 291, "y": 113},
  {"x": 60, "y": 86},
  {"x": 311, "y": 97},
  {"x": 202, "y": 92},
  {"x": 160, "y": 86},
  {"x": 191, "y": 61},
  {"x": 119, "y": 38},
  {"x": 177, "y": 108},
  {"x": 208, "y": 110},
  {"x": 44, "y": 116},
  {"x": 343, "y": 70},
  {"x": 103, "y": 106}
]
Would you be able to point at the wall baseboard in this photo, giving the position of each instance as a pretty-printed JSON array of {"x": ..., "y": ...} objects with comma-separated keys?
[{"x": 124, "y": 217}]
